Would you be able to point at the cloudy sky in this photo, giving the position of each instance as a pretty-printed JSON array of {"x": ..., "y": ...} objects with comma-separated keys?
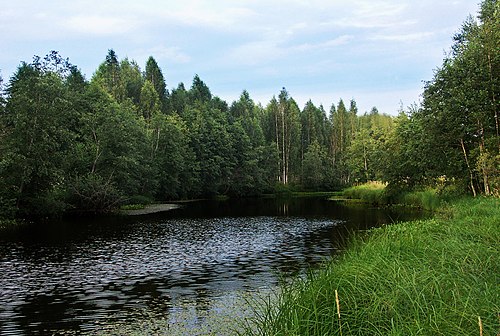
[{"x": 375, "y": 51}]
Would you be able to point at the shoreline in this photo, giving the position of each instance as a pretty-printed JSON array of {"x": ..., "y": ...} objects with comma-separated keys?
[{"x": 151, "y": 209}]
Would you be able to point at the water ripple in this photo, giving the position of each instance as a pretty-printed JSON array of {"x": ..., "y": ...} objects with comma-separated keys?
[{"x": 156, "y": 263}]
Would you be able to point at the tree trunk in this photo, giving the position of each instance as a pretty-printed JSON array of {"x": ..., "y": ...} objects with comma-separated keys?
[
  {"x": 483, "y": 157},
  {"x": 468, "y": 166},
  {"x": 282, "y": 112},
  {"x": 276, "y": 127},
  {"x": 493, "y": 98}
]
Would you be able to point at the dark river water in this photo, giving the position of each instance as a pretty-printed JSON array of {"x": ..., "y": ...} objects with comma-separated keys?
[{"x": 181, "y": 267}]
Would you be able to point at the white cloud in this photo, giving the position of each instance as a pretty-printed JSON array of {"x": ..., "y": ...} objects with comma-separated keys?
[
  {"x": 411, "y": 37},
  {"x": 172, "y": 54},
  {"x": 339, "y": 41},
  {"x": 205, "y": 14},
  {"x": 100, "y": 25},
  {"x": 256, "y": 53}
]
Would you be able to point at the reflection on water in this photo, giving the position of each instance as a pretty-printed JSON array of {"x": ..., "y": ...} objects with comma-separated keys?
[{"x": 78, "y": 275}]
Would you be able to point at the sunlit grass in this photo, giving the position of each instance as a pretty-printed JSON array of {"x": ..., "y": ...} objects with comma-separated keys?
[
  {"x": 427, "y": 277},
  {"x": 371, "y": 192},
  {"x": 377, "y": 194}
]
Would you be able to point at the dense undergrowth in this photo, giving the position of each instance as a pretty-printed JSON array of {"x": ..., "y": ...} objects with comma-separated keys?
[{"x": 429, "y": 277}]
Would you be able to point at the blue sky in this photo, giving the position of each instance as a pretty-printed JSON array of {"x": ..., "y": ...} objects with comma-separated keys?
[{"x": 375, "y": 51}]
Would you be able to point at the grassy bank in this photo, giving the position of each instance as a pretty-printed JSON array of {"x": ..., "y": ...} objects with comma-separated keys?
[
  {"x": 376, "y": 193},
  {"x": 430, "y": 277}
]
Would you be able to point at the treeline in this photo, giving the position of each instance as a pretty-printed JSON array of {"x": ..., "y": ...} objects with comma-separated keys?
[
  {"x": 71, "y": 144},
  {"x": 122, "y": 137}
]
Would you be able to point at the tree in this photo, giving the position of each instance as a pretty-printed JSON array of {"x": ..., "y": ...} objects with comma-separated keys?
[
  {"x": 149, "y": 103},
  {"x": 154, "y": 75},
  {"x": 178, "y": 100},
  {"x": 314, "y": 124},
  {"x": 174, "y": 160},
  {"x": 341, "y": 136},
  {"x": 199, "y": 92},
  {"x": 212, "y": 145},
  {"x": 460, "y": 108},
  {"x": 109, "y": 76},
  {"x": 283, "y": 129},
  {"x": 114, "y": 145},
  {"x": 38, "y": 115},
  {"x": 367, "y": 152},
  {"x": 315, "y": 167},
  {"x": 250, "y": 175},
  {"x": 131, "y": 80}
]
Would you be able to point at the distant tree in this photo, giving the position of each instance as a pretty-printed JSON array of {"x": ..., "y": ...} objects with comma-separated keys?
[
  {"x": 199, "y": 92},
  {"x": 283, "y": 129},
  {"x": 154, "y": 74},
  {"x": 109, "y": 76},
  {"x": 314, "y": 125},
  {"x": 178, "y": 100},
  {"x": 149, "y": 101},
  {"x": 131, "y": 80},
  {"x": 212, "y": 144},
  {"x": 315, "y": 167},
  {"x": 342, "y": 134},
  {"x": 367, "y": 151},
  {"x": 175, "y": 161},
  {"x": 250, "y": 175}
]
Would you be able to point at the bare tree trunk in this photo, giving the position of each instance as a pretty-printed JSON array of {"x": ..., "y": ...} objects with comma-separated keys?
[
  {"x": 483, "y": 157},
  {"x": 277, "y": 142},
  {"x": 97, "y": 152},
  {"x": 366, "y": 162},
  {"x": 282, "y": 112},
  {"x": 468, "y": 166},
  {"x": 493, "y": 98}
]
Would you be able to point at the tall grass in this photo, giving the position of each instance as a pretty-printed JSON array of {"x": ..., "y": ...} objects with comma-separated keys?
[
  {"x": 377, "y": 194},
  {"x": 371, "y": 192},
  {"x": 429, "y": 277}
]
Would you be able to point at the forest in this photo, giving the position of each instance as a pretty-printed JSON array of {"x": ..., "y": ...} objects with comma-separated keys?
[{"x": 69, "y": 144}]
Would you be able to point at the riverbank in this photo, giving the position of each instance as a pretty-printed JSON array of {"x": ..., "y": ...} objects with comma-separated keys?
[
  {"x": 150, "y": 209},
  {"x": 428, "y": 277}
]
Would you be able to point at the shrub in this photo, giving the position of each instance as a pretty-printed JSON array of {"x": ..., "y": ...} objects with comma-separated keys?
[{"x": 93, "y": 193}]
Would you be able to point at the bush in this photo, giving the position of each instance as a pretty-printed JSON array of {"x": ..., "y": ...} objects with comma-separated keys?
[{"x": 93, "y": 193}]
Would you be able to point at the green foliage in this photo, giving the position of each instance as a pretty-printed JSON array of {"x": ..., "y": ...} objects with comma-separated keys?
[
  {"x": 154, "y": 75},
  {"x": 93, "y": 193},
  {"x": 459, "y": 119},
  {"x": 57, "y": 129},
  {"x": 314, "y": 167},
  {"x": 428, "y": 277},
  {"x": 39, "y": 134}
]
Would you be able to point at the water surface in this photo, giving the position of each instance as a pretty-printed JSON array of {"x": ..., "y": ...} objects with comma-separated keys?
[{"x": 182, "y": 266}]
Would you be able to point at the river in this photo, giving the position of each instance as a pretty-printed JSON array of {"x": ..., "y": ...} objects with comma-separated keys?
[{"x": 185, "y": 271}]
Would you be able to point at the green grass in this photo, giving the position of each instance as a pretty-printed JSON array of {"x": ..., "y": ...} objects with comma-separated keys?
[
  {"x": 426, "y": 199},
  {"x": 371, "y": 192},
  {"x": 427, "y": 277},
  {"x": 377, "y": 194}
]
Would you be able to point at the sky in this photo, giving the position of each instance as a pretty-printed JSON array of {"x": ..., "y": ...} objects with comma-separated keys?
[{"x": 377, "y": 52}]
